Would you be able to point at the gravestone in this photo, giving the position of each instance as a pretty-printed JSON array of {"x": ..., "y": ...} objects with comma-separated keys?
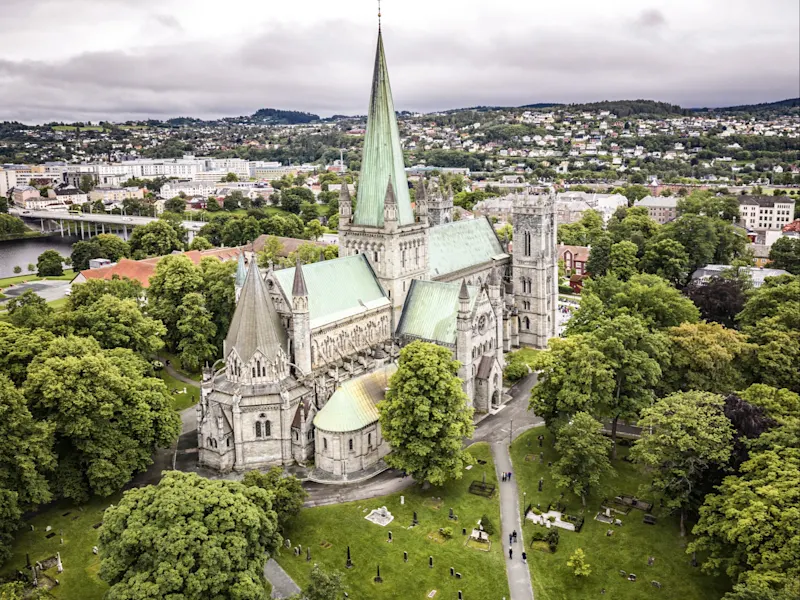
[
  {"x": 452, "y": 572},
  {"x": 308, "y": 553},
  {"x": 609, "y": 532},
  {"x": 458, "y": 575},
  {"x": 94, "y": 550},
  {"x": 378, "y": 576},
  {"x": 349, "y": 564},
  {"x": 656, "y": 584},
  {"x": 287, "y": 543},
  {"x": 405, "y": 556},
  {"x": 541, "y": 440},
  {"x": 632, "y": 577},
  {"x": 415, "y": 521},
  {"x": 541, "y": 482},
  {"x": 59, "y": 566},
  {"x": 541, "y": 457},
  {"x": 430, "y": 562},
  {"x": 463, "y": 531},
  {"x": 460, "y": 595},
  {"x": 450, "y": 514},
  {"x": 694, "y": 559},
  {"x": 651, "y": 561},
  {"x": 390, "y": 537},
  {"x": 402, "y": 500},
  {"x": 623, "y": 573}
]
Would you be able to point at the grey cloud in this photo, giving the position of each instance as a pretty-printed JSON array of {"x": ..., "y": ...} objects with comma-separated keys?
[
  {"x": 651, "y": 19},
  {"x": 325, "y": 68},
  {"x": 168, "y": 21}
]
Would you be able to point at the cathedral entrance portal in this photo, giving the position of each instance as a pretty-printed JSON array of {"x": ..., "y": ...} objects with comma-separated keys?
[{"x": 496, "y": 399}]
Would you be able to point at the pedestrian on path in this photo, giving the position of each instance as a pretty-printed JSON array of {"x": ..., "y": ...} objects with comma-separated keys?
[
  {"x": 510, "y": 539},
  {"x": 510, "y": 553},
  {"x": 503, "y": 477},
  {"x": 509, "y": 475},
  {"x": 524, "y": 557},
  {"x": 515, "y": 535}
]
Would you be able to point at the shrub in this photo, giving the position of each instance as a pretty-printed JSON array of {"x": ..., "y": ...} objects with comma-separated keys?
[
  {"x": 565, "y": 289},
  {"x": 515, "y": 370},
  {"x": 488, "y": 527},
  {"x": 446, "y": 532},
  {"x": 17, "y": 269},
  {"x": 535, "y": 510},
  {"x": 552, "y": 538}
]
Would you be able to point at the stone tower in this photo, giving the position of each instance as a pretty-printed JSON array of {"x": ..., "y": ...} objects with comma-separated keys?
[
  {"x": 464, "y": 341},
  {"x": 440, "y": 205},
  {"x": 535, "y": 268},
  {"x": 301, "y": 323},
  {"x": 383, "y": 225}
]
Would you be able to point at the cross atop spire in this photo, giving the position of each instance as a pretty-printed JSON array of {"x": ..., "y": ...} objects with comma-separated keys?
[{"x": 379, "y": 15}]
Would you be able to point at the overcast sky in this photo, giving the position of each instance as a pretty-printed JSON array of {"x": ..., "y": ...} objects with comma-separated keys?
[{"x": 120, "y": 59}]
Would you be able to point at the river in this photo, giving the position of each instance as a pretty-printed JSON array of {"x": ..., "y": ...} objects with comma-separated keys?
[{"x": 24, "y": 252}]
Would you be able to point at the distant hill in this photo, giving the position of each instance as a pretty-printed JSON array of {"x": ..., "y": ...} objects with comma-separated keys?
[
  {"x": 626, "y": 108},
  {"x": 543, "y": 105},
  {"x": 780, "y": 106},
  {"x": 285, "y": 117}
]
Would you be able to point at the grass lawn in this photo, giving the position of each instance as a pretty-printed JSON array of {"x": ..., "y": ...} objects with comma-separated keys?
[
  {"x": 80, "y": 578},
  {"x": 180, "y": 401},
  {"x": 175, "y": 363},
  {"x": 17, "y": 279},
  {"x": 628, "y": 549},
  {"x": 484, "y": 575}
]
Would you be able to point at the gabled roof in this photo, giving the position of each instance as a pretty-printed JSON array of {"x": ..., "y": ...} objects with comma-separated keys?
[
  {"x": 382, "y": 159},
  {"x": 460, "y": 245},
  {"x": 431, "y": 309},
  {"x": 352, "y": 406},
  {"x": 256, "y": 325},
  {"x": 337, "y": 289}
]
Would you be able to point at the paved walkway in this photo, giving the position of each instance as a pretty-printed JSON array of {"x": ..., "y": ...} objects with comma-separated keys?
[
  {"x": 519, "y": 578},
  {"x": 180, "y": 376},
  {"x": 283, "y": 586}
]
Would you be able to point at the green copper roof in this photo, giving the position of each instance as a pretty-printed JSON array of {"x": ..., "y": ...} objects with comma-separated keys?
[
  {"x": 337, "y": 288},
  {"x": 241, "y": 271},
  {"x": 256, "y": 325},
  {"x": 460, "y": 245},
  {"x": 352, "y": 406},
  {"x": 431, "y": 309},
  {"x": 383, "y": 155}
]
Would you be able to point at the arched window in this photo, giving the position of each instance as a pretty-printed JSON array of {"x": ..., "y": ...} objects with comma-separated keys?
[
  {"x": 526, "y": 242},
  {"x": 526, "y": 322},
  {"x": 369, "y": 440},
  {"x": 228, "y": 442},
  {"x": 325, "y": 443},
  {"x": 210, "y": 443},
  {"x": 267, "y": 428},
  {"x": 258, "y": 429},
  {"x": 350, "y": 444},
  {"x": 254, "y": 371}
]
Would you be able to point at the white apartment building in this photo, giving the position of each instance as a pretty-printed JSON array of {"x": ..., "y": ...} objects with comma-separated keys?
[
  {"x": 210, "y": 176},
  {"x": 271, "y": 173},
  {"x": 115, "y": 194},
  {"x": 766, "y": 212},
  {"x": 8, "y": 180},
  {"x": 238, "y": 166},
  {"x": 190, "y": 188}
]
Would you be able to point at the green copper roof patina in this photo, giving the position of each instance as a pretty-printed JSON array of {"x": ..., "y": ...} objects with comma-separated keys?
[
  {"x": 352, "y": 406},
  {"x": 336, "y": 289},
  {"x": 383, "y": 155},
  {"x": 460, "y": 245},
  {"x": 256, "y": 325},
  {"x": 241, "y": 271},
  {"x": 431, "y": 309}
]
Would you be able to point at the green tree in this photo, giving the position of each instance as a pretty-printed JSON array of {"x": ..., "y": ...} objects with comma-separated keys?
[
  {"x": 219, "y": 294},
  {"x": 18, "y": 347},
  {"x": 82, "y": 253},
  {"x": 577, "y": 562},
  {"x": 50, "y": 264},
  {"x": 706, "y": 357},
  {"x": 635, "y": 226},
  {"x": 719, "y": 299},
  {"x": 17, "y": 269},
  {"x": 157, "y": 238},
  {"x": 749, "y": 527},
  {"x": 200, "y": 243},
  {"x": 117, "y": 323},
  {"x": 313, "y": 230},
  {"x": 189, "y": 537},
  {"x": 197, "y": 331},
  {"x": 230, "y": 177},
  {"x": 176, "y": 205},
  {"x": 29, "y": 310},
  {"x": 11, "y": 225},
  {"x": 785, "y": 254},
  {"x": 584, "y": 232},
  {"x": 599, "y": 261},
  {"x": 505, "y": 232},
  {"x": 92, "y": 290},
  {"x": 425, "y": 416},
  {"x": 667, "y": 259},
  {"x": 623, "y": 260},
  {"x": 293, "y": 198},
  {"x": 287, "y": 489},
  {"x": 583, "y": 455},
  {"x": 10, "y": 518},
  {"x": 649, "y": 297},
  {"x": 26, "y": 455},
  {"x": 86, "y": 184},
  {"x": 109, "y": 414},
  {"x": 3, "y": 205},
  {"x": 684, "y": 436},
  {"x": 324, "y": 585},
  {"x": 710, "y": 205},
  {"x": 31, "y": 267},
  {"x": 309, "y": 211},
  {"x": 175, "y": 277},
  {"x": 271, "y": 253}
]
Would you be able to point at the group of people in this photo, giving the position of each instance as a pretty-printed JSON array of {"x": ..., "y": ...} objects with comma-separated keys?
[
  {"x": 506, "y": 476},
  {"x": 512, "y": 539}
]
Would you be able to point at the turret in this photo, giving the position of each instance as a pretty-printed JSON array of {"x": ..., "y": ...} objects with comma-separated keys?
[
  {"x": 390, "y": 209},
  {"x": 301, "y": 332},
  {"x": 345, "y": 205},
  {"x": 422, "y": 201},
  {"x": 464, "y": 340}
]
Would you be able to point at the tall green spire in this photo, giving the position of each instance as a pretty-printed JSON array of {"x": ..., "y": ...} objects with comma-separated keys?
[{"x": 382, "y": 160}]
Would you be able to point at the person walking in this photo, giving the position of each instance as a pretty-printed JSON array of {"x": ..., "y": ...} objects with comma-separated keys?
[
  {"x": 510, "y": 553},
  {"x": 515, "y": 535},
  {"x": 524, "y": 557},
  {"x": 510, "y": 539}
]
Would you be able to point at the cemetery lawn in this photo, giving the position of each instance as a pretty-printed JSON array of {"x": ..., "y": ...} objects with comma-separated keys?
[
  {"x": 179, "y": 401},
  {"x": 628, "y": 549},
  {"x": 80, "y": 578},
  {"x": 484, "y": 573}
]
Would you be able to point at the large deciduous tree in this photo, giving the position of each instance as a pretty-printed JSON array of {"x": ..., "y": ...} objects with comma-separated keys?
[
  {"x": 683, "y": 437},
  {"x": 10, "y": 516},
  {"x": 719, "y": 299},
  {"x": 50, "y": 264},
  {"x": 706, "y": 357},
  {"x": 175, "y": 277},
  {"x": 90, "y": 292},
  {"x": 196, "y": 331},
  {"x": 189, "y": 537},
  {"x": 116, "y": 323},
  {"x": 219, "y": 294},
  {"x": 109, "y": 414},
  {"x": 157, "y": 238},
  {"x": 26, "y": 453},
  {"x": 30, "y": 311},
  {"x": 583, "y": 455},
  {"x": 287, "y": 489},
  {"x": 324, "y": 585},
  {"x": 785, "y": 254},
  {"x": 18, "y": 347},
  {"x": 668, "y": 259},
  {"x": 623, "y": 260},
  {"x": 425, "y": 416},
  {"x": 750, "y": 527}
]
